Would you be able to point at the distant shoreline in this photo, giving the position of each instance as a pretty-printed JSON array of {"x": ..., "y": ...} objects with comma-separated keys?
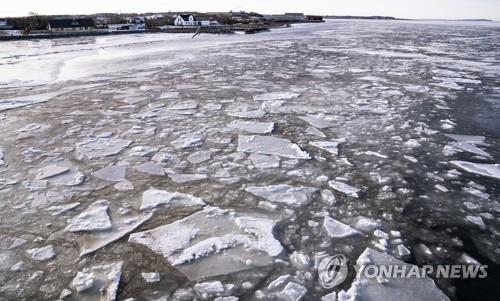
[{"x": 403, "y": 19}]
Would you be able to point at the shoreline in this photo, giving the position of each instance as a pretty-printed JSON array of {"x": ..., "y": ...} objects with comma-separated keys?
[{"x": 224, "y": 29}]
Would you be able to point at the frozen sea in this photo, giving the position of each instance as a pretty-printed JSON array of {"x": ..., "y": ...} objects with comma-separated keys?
[{"x": 160, "y": 167}]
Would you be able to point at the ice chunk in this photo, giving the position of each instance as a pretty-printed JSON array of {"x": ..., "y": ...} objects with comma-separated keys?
[
  {"x": 477, "y": 220},
  {"x": 153, "y": 198},
  {"x": 319, "y": 122},
  {"x": 60, "y": 209},
  {"x": 50, "y": 171},
  {"x": 151, "y": 277},
  {"x": 365, "y": 224},
  {"x": 22, "y": 101},
  {"x": 150, "y": 169},
  {"x": 214, "y": 242},
  {"x": 70, "y": 178},
  {"x": 122, "y": 225},
  {"x": 112, "y": 173},
  {"x": 397, "y": 288},
  {"x": 264, "y": 161},
  {"x": 344, "y": 188},
  {"x": 252, "y": 126},
  {"x": 83, "y": 282},
  {"x": 284, "y": 194},
  {"x": 186, "y": 141},
  {"x": 329, "y": 146},
  {"x": 469, "y": 144},
  {"x": 42, "y": 254},
  {"x": 30, "y": 128},
  {"x": 2, "y": 157},
  {"x": 7, "y": 260},
  {"x": 186, "y": 105},
  {"x": 94, "y": 218},
  {"x": 402, "y": 251},
  {"x": 199, "y": 156},
  {"x": 315, "y": 132},
  {"x": 185, "y": 178},
  {"x": 276, "y": 96},
  {"x": 278, "y": 282},
  {"x": 328, "y": 196},
  {"x": 99, "y": 148},
  {"x": 247, "y": 114},
  {"x": 143, "y": 151},
  {"x": 269, "y": 145},
  {"x": 99, "y": 282},
  {"x": 337, "y": 229},
  {"x": 169, "y": 95},
  {"x": 487, "y": 170},
  {"x": 124, "y": 186},
  {"x": 209, "y": 288},
  {"x": 292, "y": 292}
]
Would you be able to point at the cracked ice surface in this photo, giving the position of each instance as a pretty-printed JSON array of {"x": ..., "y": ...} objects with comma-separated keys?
[
  {"x": 270, "y": 146},
  {"x": 214, "y": 242},
  {"x": 351, "y": 137}
]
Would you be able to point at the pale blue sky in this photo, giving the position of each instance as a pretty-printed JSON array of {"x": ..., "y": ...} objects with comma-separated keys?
[{"x": 451, "y": 9}]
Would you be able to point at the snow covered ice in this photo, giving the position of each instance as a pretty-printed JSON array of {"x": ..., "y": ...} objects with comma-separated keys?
[{"x": 132, "y": 169}]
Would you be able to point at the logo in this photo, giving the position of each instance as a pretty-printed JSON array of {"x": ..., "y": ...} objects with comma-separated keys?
[{"x": 332, "y": 271}]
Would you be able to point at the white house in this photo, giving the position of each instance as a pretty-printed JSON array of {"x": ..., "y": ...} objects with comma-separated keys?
[{"x": 185, "y": 20}]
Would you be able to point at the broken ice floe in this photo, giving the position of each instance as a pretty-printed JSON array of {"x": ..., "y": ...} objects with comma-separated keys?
[
  {"x": 94, "y": 218},
  {"x": 319, "y": 122},
  {"x": 22, "y": 101},
  {"x": 2, "y": 157},
  {"x": 329, "y": 146},
  {"x": 338, "y": 229},
  {"x": 315, "y": 132},
  {"x": 395, "y": 288},
  {"x": 112, "y": 173},
  {"x": 252, "y": 126},
  {"x": 50, "y": 171},
  {"x": 186, "y": 141},
  {"x": 153, "y": 198},
  {"x": 345, "y": 188},
  {"x": 276, "y": 96},
  {"x": 292, "y": 292},
  {"x": 469, "y": 144},
  {"x": 269, "y": 145},
  {"x": 247, "y": 114},
  {"x": 487, "y": 170},
  {"x": 264, "y": 161},
  {"x": 185, "y": 178},
  {"x": 214, "y": 242},
  {"x": 199, "y": 156},
  {"x": 98, "y": 282},
  {"x": 60, "y": 209},
  {"x": 96, "y": 229},
  {"x": 284, "y": 194},
  {"x": 42, "y": 254},
  {"x": 150, "y": 169},
  {"x": 151, "y": 277},
  {"x": 100, "y": 147}
]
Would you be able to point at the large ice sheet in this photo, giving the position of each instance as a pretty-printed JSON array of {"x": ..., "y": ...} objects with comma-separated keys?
[
  {"x": 252, "y": 126},
  {"x": 23, "y": 101},
  {"x": 270, "y": 145},
  {"x": 397, "y": 289},
  {"x": 214, "y": 242},
  {"x": 319, "y": 122},
  {"x": 284, "y": 194},
  {"x": 487, "y": 170},
  {"x": 98, "y": 148}
]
